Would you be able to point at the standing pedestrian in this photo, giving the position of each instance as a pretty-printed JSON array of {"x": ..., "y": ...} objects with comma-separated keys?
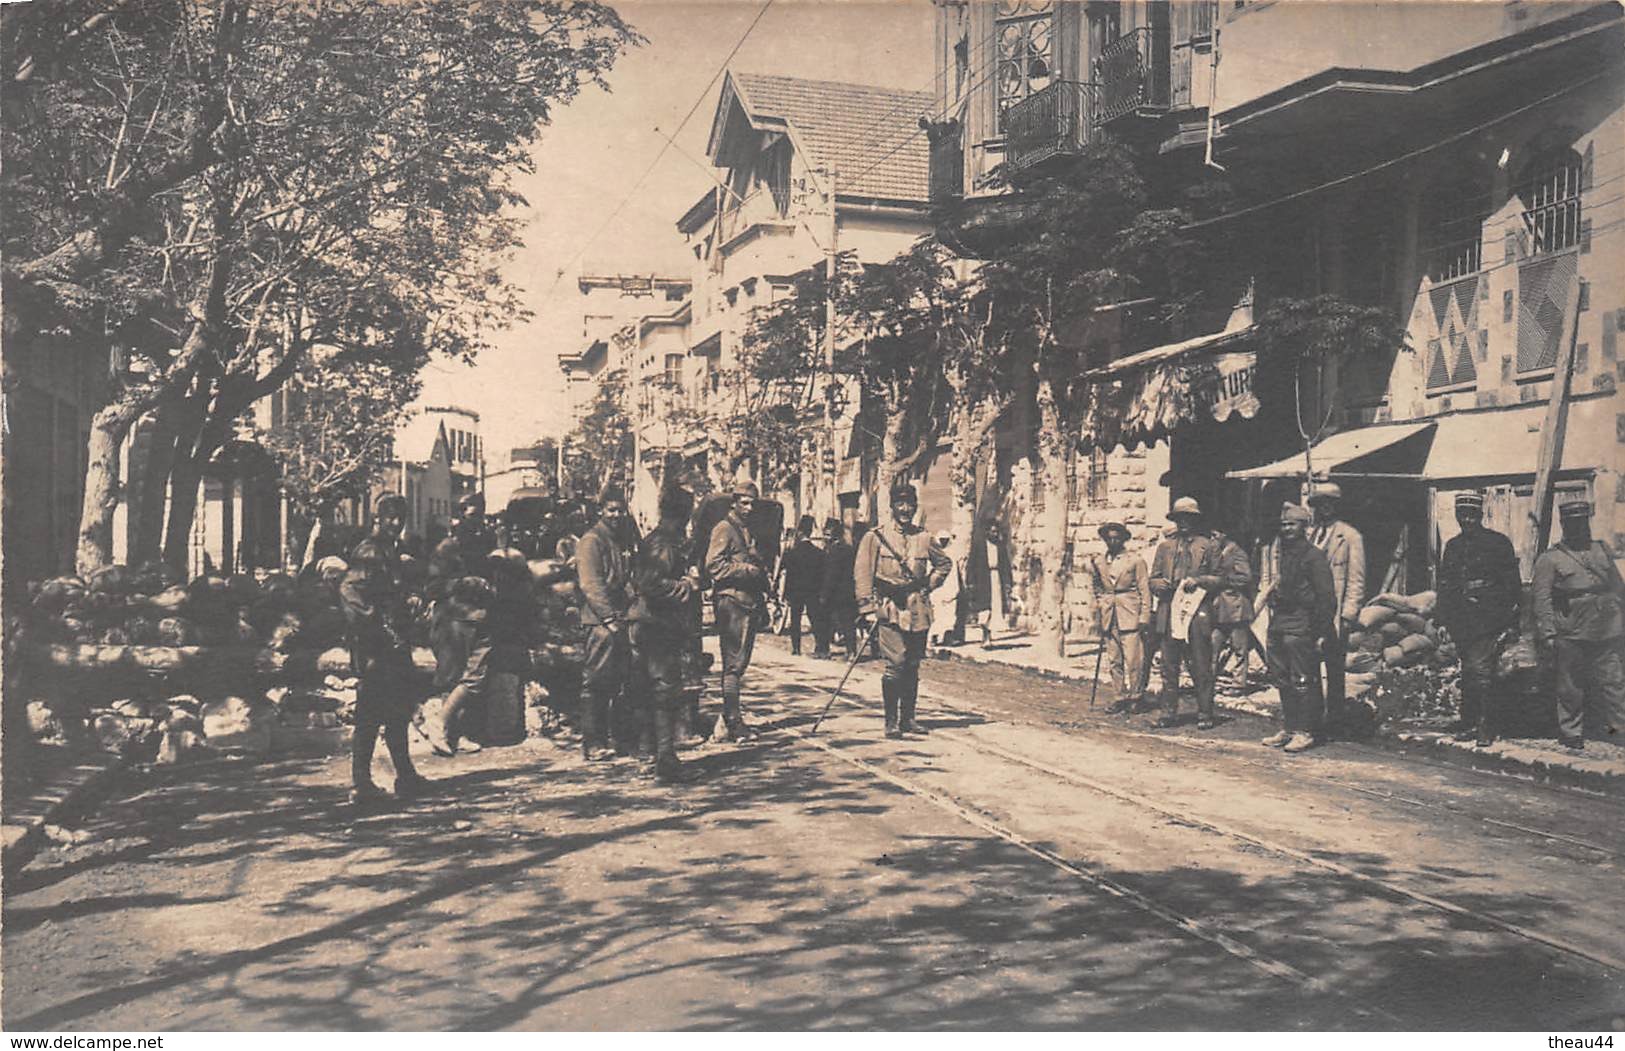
[
  {"x": 1580, "y": 626},
  {"x": 604, "y": 575},
  {"x": 1479, "y": 587},
  {"x": 1303, "y": 606},
  {"x": 803, "y": 575},
  {"x": 895, "y": 570},
  {"x": 377, "y": 613},
  {"x": 945, "y": 599},
  {"x": 838, "y": 598},
  {"x": 739, "y": 576},
  {"x": 660, "y": 620},
  {"x": 1123, "y": 606},
  {"x": 1233, "y": 608},
  {"x": 1345, "y": 552},
  {"x": 459, "y": 594},
  {"x": 1186, "y": 562}
]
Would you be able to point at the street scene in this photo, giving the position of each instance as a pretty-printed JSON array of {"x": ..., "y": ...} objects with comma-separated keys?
[{"x": 1026, "y": 515}]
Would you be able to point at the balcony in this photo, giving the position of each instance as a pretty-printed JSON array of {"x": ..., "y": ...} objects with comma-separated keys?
[
  {"x": 1131, "y": 74},
  {"x": 1049, "y": 123},
  {"x": 947, "y": 160}
]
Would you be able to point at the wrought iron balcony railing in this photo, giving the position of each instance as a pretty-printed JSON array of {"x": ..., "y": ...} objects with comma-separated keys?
[
  {"x": 1131, "y": 76},
  {"x": 1048, "y": 123}
]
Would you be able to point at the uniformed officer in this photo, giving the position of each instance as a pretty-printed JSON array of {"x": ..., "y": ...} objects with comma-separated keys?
[
  {"x": 738, "y": 571},
  {"x": 839, "y": 600},
  {"x": 1123, "y": 604},
  {"x": 1579, "y": 624},
  {"x": 1345, "y": 553},
  {"x": 1232, "y": 608},
  {"x": 1186, "y": 561},
  {"x": 894, "y": 572},
  {"x": 380, "y": 656},
  {"x": 458, "y": 633},
  {"x": 1479, "y": 587},
  {"x": 660, "y": 622},
  {"x": 604, "y": 576},
  {"x": 1303, "y": 604}
]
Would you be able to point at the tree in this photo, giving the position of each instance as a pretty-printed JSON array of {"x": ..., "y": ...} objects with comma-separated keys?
[
  {"x": 599, "y": 450},
  {"x": 1314, "y": 337},
  {"x": 338, "y": 430},
  {"x": 250, "y": 179}
]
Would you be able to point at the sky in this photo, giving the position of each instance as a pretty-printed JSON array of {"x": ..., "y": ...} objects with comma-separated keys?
[{"x": 591, "y": 155}]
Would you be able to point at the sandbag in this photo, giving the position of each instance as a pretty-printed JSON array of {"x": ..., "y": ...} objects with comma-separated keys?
[
  {"x": 170, "y": 600},
  {"x": 1362, "y": 662},
  {"x": 1375, "y": 616},
  {"x": 237, "y": 722},
  {"x": 1413, "y": 624},
  {"x": 1394, "y": 657},
  {"x": 1371, "y": 642},
  {"x": 178, "y": 631},
  {"x": 109, "y": 580},
  {"x": 1417, "y": 643},
  {"x": 1393, "y": 631},
  {"x": 59, "y": 594}
]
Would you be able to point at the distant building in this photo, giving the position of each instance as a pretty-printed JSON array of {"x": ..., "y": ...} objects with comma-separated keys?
[{"x": 416, "y": 437}]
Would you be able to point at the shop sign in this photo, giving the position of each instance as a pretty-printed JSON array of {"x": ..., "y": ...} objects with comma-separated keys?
[{"x": 1230, "y": 390}]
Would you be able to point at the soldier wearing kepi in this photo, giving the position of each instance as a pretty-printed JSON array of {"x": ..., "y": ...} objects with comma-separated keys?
[
  {"x": 1579, "y": 625},
  {"x": 604, "y": 575},
  {"x": 1123, "y": 601},
  {"x": 380, "y": 655},
  {"x": 738, "y": 571},
  {"x": 1479, "y": 588},
  {"x": 660, "y": 621},
  {"x": 895, "y": 570},
  {"x": 1303, "y": 604}
]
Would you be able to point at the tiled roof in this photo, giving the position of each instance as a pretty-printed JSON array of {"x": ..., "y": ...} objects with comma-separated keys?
[{"x": 871, "y": 136}]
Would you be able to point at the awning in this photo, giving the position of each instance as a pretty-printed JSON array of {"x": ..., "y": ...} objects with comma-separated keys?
[
  {"x": 1212, "y": 342},
  {"x": 1332, "y": 456}
]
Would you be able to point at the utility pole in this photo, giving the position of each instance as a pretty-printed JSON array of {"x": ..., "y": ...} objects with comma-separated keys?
[{"x": 830, "y": 464}]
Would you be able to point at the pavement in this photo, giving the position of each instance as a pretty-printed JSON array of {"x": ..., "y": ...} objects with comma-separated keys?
[
  {"x": 1599, "y": 768},
  {"x": 1028, "y": 865}
]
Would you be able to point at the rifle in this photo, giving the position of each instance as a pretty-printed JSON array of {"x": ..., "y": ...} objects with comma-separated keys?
[{"x": 857, "y": 655}]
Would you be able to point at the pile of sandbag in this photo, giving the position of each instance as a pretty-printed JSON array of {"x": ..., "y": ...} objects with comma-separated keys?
[{"x": 1396, "y": 631}]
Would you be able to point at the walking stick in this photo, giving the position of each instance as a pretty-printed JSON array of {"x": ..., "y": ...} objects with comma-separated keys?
[
  {"x": 857, "y": 655},
  {"x": 1094, "y": 687}
]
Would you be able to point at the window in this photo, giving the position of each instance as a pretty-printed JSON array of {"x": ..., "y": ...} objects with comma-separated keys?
[
  {"x": 1452, "y": 223},
  {"x": 673, "y": 375},
  {"x": 1097, "y": 484},
  {"x": 1024, "y": 33},
  {"x": 1550, "y": 192}
]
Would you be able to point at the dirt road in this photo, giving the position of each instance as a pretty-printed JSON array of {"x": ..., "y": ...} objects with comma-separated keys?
[{"x": 1029, "y": 864}]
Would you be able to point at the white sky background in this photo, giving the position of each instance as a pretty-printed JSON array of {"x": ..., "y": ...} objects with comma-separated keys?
[{"x": 595, "y": 149}]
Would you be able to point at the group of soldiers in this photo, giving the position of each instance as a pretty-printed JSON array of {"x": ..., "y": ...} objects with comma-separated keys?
[{"x": 1312, "y": 580}]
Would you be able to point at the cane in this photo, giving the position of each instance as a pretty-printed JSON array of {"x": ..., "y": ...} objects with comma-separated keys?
[
  {"x": 857, "y": 655},
  {"x": 1094, "y": 687}
]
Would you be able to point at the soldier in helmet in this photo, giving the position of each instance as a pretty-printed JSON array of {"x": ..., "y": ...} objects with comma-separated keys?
[
  {"x": 462, "y": 594},
  {"x": 660, "y": 619},
  {"x": 738, "y": 571},
  {"x": 1479, "y": 585},
  {"x": 378, "y": 614},
  {"x": 1580, "y": 626},
  {"x": 895, "y": 570}
]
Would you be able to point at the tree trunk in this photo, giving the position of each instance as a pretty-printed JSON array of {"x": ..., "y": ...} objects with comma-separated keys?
[
  {"x": 152, "y": 451},
  {"x": 1050, "y": 530},
  {"x": 185, "y": 481},
  {"x": 107, "y": 432},
  {"x": 891, "y": 451}
]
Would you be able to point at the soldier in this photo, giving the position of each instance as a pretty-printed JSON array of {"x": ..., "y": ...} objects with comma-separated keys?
[
  {"x": 1123, "y": 604},
  {"x": 803, "y": 573},
  {"x": 604, "y": 575},
  {"x": 839, "y": 599},
  {"x": 660, "y": 620},
  {"x": 1479, "y": 587},
  {"x": 458, "y": 632},
  {"x": 1233, "y": 608},
  {"x": 380, "y": 656},
  {"x": 1579, "y": 624},
  {"x": 1345, "y": 552},
  {"x": 738, "y": 572},
  {"x": 1186, "y": 561},
  {"x": 895, "y": 570},
  {"x": 1303, "y": 604}
]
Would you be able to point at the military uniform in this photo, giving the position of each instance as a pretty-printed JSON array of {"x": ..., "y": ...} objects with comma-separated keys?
[
  {"x": 604, "y": 576},
  {"x": 1303, "y": 603},
  {"x": 1577, "y": 595},
  {"x": 1479, "y": 587},
  {"x": 660, "y": 623},
  {"x": 803, "y": 575},
  {"x": 894, "y": 572},
  {"x": 1189, "y": 556},
  {"x": 839, "y": 599},
  {"x": 1344, "y": 548},
  {"x": 738, "y": 572},
  {"x": 1123, "y": 604},
  {"x": 381, "y": 658},
  {"x": 459, "y": 632}
]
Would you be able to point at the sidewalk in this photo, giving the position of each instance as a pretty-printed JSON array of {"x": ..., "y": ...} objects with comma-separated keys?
[
  {"x": 66, "y": 783},
  {"x": 1600, "y": 768}
]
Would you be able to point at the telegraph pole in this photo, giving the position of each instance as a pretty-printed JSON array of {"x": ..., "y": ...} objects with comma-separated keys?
[{"x": 830, "y": 461}]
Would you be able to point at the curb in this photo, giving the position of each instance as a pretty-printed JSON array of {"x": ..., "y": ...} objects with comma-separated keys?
[
  {"x": 1434, "y": 745},
  {"x": 65, "y": 797}
]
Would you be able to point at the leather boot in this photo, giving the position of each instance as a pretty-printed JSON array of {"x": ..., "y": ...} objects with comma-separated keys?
[
  {"x": 888, "y": 693},
  {"x": 908, "y": 696},
  {"x": 594, "y": 711},
  {"x": 733, "y": 718},
  {"x": 668, "y": 768},
  {"x": 1485, "y": 737}
]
